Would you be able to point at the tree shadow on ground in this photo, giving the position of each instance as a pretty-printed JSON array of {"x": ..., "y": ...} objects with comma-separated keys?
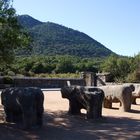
[
  {"x": 59, "y": 125},
  {"x": 10, "y": 132}
]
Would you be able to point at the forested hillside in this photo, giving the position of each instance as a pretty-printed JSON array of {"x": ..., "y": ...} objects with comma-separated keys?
[
  {"x": 51, "y": 39},
  {"x": 40, "y": 49}
]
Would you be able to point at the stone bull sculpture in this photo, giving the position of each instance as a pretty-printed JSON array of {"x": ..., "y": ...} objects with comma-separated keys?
[
  {"x": 23, "y": 105},
  {"x": 80, "y": 98},
  {"x": 118, "y": 93},
  {"x": 136, "y": 92}
]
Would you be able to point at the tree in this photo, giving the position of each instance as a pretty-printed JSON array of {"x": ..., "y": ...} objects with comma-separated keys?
[
  {"x": 123, "y": 67},
  {"x": 65, "y": 66},
  {"x": 118, "y": 67},
  {"x": 110, "y": 65},
  {"x": 11, "y": 34}
]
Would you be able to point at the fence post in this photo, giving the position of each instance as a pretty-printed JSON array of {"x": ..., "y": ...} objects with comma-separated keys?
[{"x": 90, "y": 78}]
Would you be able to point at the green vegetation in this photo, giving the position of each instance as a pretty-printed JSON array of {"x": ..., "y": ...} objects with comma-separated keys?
[
  {"x": 122, "y": 69},
  {"x": 32, "y": 65},
  {"x": 11, "y": 35},
  {"x": 53, "y": 39}
]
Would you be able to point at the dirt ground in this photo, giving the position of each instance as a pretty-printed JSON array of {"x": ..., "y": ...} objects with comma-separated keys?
[{"x": 58, "y": 125}]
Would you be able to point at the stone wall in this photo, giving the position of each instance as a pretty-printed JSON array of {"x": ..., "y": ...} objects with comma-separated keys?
[
  {"x": 43, "y": 82},
  {"x": 87, "y": 79}
]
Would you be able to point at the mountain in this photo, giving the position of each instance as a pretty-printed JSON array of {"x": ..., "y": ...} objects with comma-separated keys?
[
  {"x": 28, "y": 22},
  {"x": 51, "y": 39}
]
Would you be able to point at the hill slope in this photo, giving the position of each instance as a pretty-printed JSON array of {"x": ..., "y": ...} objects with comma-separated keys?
[{"x": 51, "y": 39}]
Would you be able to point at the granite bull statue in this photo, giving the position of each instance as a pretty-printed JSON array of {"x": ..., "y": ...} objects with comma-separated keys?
[
  {"x": 23, "y": 106},
  {"x": 80, "y": 98},
  {"x": 118, "y": 93},
  {"x": 136, "y": 92}
]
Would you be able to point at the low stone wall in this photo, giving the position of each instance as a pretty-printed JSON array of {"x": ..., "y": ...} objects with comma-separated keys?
[
  {"x": 44, "y": 82},
  {"x": 87, "y": 79}
]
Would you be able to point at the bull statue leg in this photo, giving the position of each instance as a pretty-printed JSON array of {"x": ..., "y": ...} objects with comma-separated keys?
[{"x": 74, "y": 107}]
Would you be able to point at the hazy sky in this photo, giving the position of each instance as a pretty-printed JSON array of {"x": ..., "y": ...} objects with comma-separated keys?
[{"x": 114, "y": 23}]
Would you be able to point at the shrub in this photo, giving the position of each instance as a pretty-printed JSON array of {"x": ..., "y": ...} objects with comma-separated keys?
[
  {"x": 11, "y": 73},
  {"x": 133, "y": 77}
]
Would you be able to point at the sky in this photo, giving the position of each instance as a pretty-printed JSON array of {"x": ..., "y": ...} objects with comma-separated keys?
[{"x": 113, "y": 23}]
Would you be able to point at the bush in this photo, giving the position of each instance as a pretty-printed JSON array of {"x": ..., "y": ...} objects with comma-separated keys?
[
  {"x": 11, "y": 73},
  {"x": 133, "y": 77}
]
